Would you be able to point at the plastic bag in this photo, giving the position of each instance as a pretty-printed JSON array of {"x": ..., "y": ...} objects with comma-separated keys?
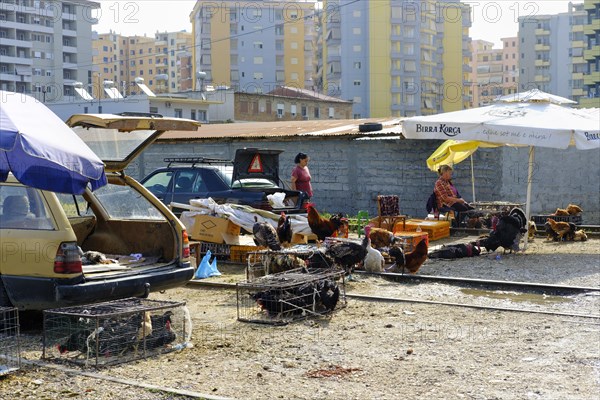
[
  {"x": 276, "y": 199},
  {"x": 206, "y": 269}
]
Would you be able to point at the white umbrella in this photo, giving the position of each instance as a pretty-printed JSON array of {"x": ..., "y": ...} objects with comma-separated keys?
[{"x": 540, "y": 122}]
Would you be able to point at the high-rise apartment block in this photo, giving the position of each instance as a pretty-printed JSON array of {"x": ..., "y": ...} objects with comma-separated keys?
[
  {"x": 395, "y": 58},
  {"x": 162, "y": 61},
  {"x": 45, "y": 46},
  {"x": 495, "y": 71},
  {"x": 552, "y": 50},
  {"x": 252, "y": 46},
  {"x": 591, "y": 55}
]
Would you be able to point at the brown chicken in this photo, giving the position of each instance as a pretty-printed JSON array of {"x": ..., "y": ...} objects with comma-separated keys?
[
  {"x": 380, "y": 238},
  {"x": 323, "y": 227},
  {"x": 409, "y": 262},
  {"x": 573, "y": 209},
  {"x": 560, "y": 228},
  {"x": 561, "y": 212}
]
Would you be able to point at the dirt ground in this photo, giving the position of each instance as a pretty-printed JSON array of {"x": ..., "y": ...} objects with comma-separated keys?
[{"x": 370, "y": 349}]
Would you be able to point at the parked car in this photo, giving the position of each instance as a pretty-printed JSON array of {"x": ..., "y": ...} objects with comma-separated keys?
[
  {"x": 45, "y": 237},
  {"x": 248, "y": 180}
]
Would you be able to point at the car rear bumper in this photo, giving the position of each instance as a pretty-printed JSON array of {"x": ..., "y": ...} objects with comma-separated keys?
[{"x": 28, "y": 293}]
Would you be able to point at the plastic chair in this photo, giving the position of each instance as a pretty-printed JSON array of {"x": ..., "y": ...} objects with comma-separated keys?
[
  {"x": 388, "y": 209},
  {"x": 362, "y": 219}
]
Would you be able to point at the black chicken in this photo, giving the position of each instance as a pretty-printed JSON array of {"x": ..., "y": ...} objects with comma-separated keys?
[
  {"x": 284, "y": 229},
  {"x": 265, "y": 235},
  {"x": 162, "y": 332},
  {"x": 347, "y": 254},
  {"x": 293, "y": 301},
  {"x": 507, "y": 234}
]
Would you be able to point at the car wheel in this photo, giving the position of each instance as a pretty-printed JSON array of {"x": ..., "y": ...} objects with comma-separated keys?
[
  {"x": 4, "y": 300},
  {"x": 370, "y": 127}
]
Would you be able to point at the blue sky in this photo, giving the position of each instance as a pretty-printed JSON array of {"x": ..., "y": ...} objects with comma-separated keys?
[{"x": 492, "y": 20}]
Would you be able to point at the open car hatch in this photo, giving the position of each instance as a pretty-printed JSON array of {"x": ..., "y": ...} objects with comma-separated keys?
[
  {"x": 119, "y": 139},
  {"x": 256, "y": 163}
]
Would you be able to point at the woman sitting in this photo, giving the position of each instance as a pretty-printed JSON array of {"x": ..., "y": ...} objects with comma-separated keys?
[{"x": 445, "y": 192}]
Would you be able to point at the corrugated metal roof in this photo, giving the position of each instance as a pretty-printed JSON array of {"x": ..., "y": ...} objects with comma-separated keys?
[{"x": 280, "y": 129}]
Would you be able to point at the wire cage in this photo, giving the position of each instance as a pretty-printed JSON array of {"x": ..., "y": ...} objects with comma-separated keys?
[
  {"x": 115, "y": 332},
  {"x": 281, "y": 298},
  {"x": 265, "y": 262},
  {"x": 10, "y": 352}
]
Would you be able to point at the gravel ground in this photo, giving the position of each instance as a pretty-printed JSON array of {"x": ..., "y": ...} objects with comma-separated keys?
[{"x": 374, "y": 350}]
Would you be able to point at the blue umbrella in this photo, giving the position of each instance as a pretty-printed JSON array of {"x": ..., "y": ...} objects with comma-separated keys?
[{"x": 41, "y": 151}]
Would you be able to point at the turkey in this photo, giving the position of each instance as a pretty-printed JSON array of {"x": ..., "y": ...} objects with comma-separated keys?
[{"x": 265, "y": 235}]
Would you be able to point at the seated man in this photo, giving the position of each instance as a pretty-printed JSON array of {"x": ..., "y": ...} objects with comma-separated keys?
[{"x": 15, "y": 211}]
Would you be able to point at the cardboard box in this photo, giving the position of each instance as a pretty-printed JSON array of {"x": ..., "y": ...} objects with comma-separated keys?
[
  {"x": 435, "y": 229},
  {"x": 211, "y": 229}
]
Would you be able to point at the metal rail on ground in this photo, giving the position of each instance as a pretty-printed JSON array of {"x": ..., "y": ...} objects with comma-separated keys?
[{"x": 417, "y": 301}]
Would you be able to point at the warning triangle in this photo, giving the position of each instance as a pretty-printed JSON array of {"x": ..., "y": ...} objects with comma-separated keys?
[{"x": 256, "y": 164}]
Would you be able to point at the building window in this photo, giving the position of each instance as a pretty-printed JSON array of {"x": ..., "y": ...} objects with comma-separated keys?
[
  {"x": 357, "y": 48},
  {"x": 178, "y": 113},
  {"x": 280, "y": 108},
  {"x": 258, "y": 60},
  {"x": 317, "y": 112},
  {"x": 294, "y": 61},
  {"x": 357, "y": 83},
  {"x": 356, "y": 31},
  {"x": 331, "y": 112},
  {"x": 357, "y": 65},
  {"x": 193, "y": 115},
  {"x": 293, "y": 110}
]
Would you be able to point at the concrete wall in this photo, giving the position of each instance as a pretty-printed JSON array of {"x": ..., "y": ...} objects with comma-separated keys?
[{"x": 347, "y": 175}]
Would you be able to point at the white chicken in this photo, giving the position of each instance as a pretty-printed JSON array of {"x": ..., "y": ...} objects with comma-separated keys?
[{"x": 374, "y": 261}]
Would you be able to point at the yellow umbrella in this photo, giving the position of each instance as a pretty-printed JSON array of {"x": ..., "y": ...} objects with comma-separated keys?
[{"x": 454, "y": 151}]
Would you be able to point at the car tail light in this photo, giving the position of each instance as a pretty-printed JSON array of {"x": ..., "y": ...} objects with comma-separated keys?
[
  {"x": 68, "y": 259},
  {"x": 186, "y": 245}
]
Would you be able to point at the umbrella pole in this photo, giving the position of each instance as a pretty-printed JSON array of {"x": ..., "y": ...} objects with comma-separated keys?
[
  {"x": 528, "y": 203},
  {"x": 472, "y": 179}
]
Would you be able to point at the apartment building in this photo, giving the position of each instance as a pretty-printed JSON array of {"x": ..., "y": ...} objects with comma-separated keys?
[
  {"x": 394, "y": 58},
  {"x": 158, "y": 60},
  {"x": 254, "y": 47},
  {"x": 552, "y": 48},
  {"x": 495, "y": 71},
  {"x": 45, "y": 46},
  {"x": 591, "y": 55}
]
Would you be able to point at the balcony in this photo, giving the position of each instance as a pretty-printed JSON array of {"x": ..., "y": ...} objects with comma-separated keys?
[
  {"x": 542, "y": 78},
  {"x": 578, "y": 44},
  {"x": 542, "y": 47},
  {"x": 577, "y": 75},
  {"x": 69, "y": 32},
  {"x": 592, "y": 78},
  {"x": 592, "y": 53},
  {"x": 542, "y": 63},
  {"x": 69, "y": 65},
  {"x": 9, "y": 77},
  {"x": 15, "y": 42},
  {"x": 542, "y": 32},
  {"x": 577, "y": 28},
  {"x": 17, "y": 60},
  {"x": 590, "y": 30},
  {"x": 589, "y": 102},
  {"x": 578, "y": 60},
  {"x": 69, "y": 49},
  {"x": 577, "y": 92}
]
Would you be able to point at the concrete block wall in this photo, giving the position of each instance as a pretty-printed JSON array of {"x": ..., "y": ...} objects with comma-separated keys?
[{"x": 347, "y": 174}]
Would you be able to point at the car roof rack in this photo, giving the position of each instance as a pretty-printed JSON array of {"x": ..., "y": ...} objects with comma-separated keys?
[
  {"x": 139, "y": 114},
  {"x": 195, "y": 160}
]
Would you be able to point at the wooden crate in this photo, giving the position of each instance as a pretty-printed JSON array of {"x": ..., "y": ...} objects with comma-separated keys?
[
  {"x": 436, "y": 229},
  {"x": 303, "y": 238},
  {"x": 409, "y": 240},
  {"x": 240, "y": 253}
]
